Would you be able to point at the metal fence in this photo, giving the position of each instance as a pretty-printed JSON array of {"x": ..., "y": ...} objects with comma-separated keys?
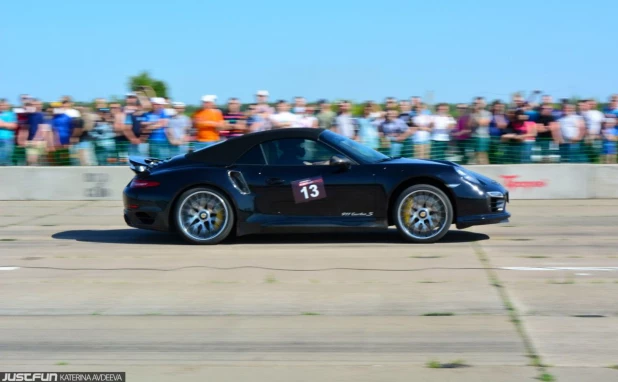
[{"x": 469, "y": 151}]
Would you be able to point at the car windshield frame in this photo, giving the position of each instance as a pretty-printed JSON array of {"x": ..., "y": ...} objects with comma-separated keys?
[{"x": 356, "y": 150}]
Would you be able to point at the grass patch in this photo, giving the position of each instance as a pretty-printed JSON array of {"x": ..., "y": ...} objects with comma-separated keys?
[
  {"x": 61, "y": 363},
  {"x": 536, "y": 362},
  {"x": 314, "y": 281},
  {"x": 521, "y": 239},
  {"x": 575, "y": 257},
  {"x": 546, "y": 377},
  {"x": 8, "y": 239},
  {"x": 597, "y": 281},
  {"x": 433, "y": 364},
  {"x": 438, "y": 314},
  {"x": 309, "y": 314},
  {"x": 615, "y": 367},
  {"x": 430, "y": 282},
  {"x": 270, "y": 280},
  {"x": 48, "y": 225},
  {"x": 513, "y": 314},
  {"x": 425, "y": 257},
  {"x": 97, "y": 313}
]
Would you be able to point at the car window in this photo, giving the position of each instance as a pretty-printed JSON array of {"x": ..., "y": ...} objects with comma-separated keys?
[
  {"x": 297, "y": 152},
  {"x": 253, "y": 156},
  {"x": 352, "y": 147}
]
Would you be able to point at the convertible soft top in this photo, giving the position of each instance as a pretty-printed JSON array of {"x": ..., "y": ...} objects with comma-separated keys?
[{"x": 227, "y": 152}]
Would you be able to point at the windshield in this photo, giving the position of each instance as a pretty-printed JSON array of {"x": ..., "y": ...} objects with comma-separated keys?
[{"x": 354, "y": 148}]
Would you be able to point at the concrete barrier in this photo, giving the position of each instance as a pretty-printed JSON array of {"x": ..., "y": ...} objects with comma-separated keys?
[
  {"x": 534, "y": 181},
  {"x": 545, "y": 181},
  {"x": 63, "y": 183}
]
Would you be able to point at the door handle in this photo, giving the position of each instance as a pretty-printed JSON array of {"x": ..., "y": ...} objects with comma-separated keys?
[{"x": 275, "y": 181}]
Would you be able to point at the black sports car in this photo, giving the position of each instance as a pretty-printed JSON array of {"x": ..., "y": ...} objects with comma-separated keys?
[{"x": 305, "y": 180}]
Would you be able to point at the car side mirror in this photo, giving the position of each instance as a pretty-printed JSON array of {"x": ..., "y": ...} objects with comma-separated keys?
[{"x": 343, "y": 163}]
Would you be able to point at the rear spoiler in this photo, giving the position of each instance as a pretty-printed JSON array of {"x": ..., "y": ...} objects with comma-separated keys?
[{"x": 141, "y": 165}]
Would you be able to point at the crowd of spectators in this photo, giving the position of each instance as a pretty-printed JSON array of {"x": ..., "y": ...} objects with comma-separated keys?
[{"x": 517, "y": 131}]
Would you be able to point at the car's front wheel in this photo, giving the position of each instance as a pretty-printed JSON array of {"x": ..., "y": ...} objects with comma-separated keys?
[
  {"x": 203, "y": 216},
  {"x": 423, "y": 214}
]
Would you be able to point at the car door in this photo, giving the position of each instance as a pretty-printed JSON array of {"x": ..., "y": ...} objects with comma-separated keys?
[{"x": 300, "y": 182}]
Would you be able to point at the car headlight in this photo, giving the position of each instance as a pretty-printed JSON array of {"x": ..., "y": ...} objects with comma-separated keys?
[{"x": 466, "y": 175}]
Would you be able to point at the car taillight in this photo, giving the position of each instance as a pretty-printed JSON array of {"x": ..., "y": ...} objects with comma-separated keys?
[{"x": 143, "y": 183}]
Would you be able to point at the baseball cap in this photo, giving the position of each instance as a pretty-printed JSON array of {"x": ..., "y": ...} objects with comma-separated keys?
[
  {"x": 178, "y": 104},
  {"x": 209, "y": 98},
  {"x": 129, "y": 95},
  {"x": 263, "y": 93},
  {"x": 158, "y": 101}
]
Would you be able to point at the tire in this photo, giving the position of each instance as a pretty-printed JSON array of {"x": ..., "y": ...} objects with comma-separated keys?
[
  {"x": 428, "y": 222},
  {"x": 203, "y": 215}
]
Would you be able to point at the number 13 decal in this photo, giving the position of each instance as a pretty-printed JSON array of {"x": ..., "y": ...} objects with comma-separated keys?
[
  {"x": 307, "y": 190},
  {"x": 313, "y": 192}
]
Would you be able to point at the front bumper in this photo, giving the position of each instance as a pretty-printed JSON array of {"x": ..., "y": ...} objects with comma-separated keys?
[
  {"x": 493, "y": 218},
  {"x": 488, "y": 209}
]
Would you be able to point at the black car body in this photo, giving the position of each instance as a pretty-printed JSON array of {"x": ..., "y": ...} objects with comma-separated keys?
[{"x": 254, "y": 184}]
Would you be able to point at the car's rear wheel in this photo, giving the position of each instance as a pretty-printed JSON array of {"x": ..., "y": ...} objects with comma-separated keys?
[
  {"x": 203, "y": 216},
  {"x": 423, "y": 214}
]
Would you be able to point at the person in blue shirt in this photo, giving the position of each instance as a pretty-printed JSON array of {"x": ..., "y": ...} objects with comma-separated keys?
[
  {"x": 62, "y": 128},
  {"x": 135, "y": 130},
  {"x": 38, "y": 131},
  {"x": 532, "y": 114},
  {"x": 367, "y": 130},
  {"x": 8, "y": 124},
  {"x": 158, "y": 126},
  {"x": 609, "y": 133}
]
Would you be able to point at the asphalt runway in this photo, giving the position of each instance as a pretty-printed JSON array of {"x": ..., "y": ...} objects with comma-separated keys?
[{"x": 80, "y": 291}]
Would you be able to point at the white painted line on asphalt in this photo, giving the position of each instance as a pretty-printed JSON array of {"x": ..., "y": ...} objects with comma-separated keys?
[
  {"x": 582, "y": 274},
  {"x": 600, "y": 269},
  {"x": 8, "y": 268}
]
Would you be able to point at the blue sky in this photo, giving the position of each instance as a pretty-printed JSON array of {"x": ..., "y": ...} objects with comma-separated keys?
[{"x": 335, "y": 49}]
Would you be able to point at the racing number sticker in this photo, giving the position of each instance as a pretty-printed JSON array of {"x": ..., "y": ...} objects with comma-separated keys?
[{"x": 307, "y": 190}]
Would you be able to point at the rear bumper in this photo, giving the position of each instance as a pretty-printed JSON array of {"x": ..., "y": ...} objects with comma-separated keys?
[
  {"x": 493, "y": 218},
  {"x": 143, "y": 214}
]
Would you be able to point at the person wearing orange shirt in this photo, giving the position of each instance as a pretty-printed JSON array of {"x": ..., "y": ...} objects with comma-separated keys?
[{"x": 207, "y": 122}]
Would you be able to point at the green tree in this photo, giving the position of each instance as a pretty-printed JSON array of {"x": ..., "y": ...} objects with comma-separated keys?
[{"x": 144, "y": 79}]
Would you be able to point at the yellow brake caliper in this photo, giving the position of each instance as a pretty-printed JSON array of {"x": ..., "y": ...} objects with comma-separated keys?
[
  {"x": 219, "y": 219},
  {"x": 407, "y": 211}
]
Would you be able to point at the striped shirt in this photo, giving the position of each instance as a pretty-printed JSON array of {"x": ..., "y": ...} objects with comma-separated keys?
[{"x": 233, "y": 118}]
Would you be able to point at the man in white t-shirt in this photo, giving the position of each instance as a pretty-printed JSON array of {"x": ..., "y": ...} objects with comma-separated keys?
[
  {"x": 344, "y": 123},
  {"x": 307, "y": 118},
  {"x": 441, "y": 125},
  {"x": 594, "y": 123},
  {"x": 594, "y": 118},
  {"x": 573, "y": 130},
  {"x": 283, "y": 118},
  {"x": 422, "y": 126}
]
